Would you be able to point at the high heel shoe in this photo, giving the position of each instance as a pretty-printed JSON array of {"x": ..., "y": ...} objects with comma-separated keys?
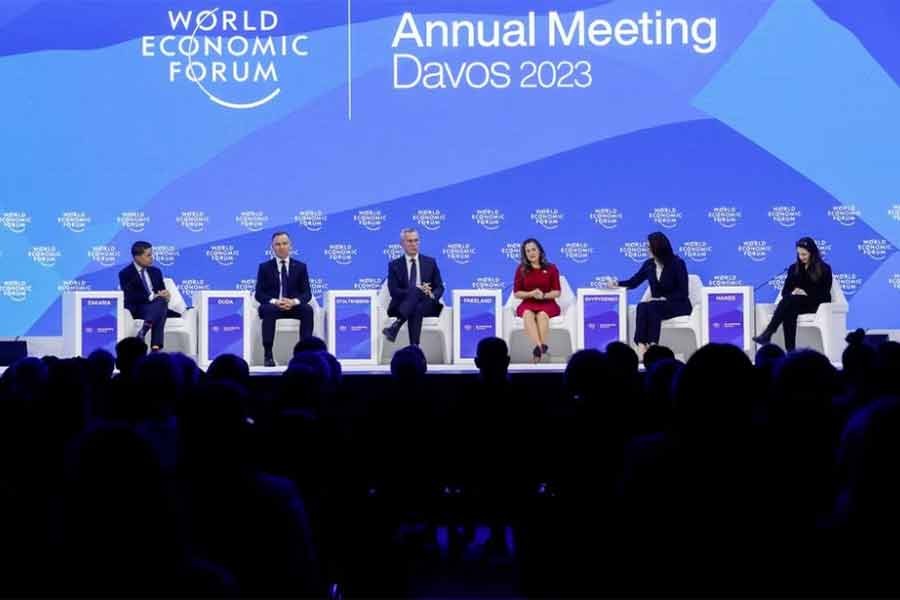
[
  {"x": 544, "y": 348},
  {"x": 763, "y": 338},
  {"x": 536, "y": 354}
]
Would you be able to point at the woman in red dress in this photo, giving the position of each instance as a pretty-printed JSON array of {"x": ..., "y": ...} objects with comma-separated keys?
[{"x": 537, "y": 285}]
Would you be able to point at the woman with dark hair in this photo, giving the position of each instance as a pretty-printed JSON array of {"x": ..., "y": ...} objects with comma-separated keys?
[
  {"x": 808, "y": 285},
  {"x": 668, "y": 278},
  {"x": 537, "y": 285}
]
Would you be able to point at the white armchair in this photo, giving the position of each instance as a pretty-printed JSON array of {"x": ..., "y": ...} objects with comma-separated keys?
[
  {"x": 437, "y": 333},
  {"x": 562, "y": 328},
  {"x": 823, "y": 330},
  {"x": 181, "y": 332},
  {"x": 287, "y": 333},
  {"x": 681, "y": 334}
]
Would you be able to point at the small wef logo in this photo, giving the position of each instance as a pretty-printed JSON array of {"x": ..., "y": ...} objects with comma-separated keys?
[
  {"x": 459, "y": 252},
  {"x": 849, "y": 282},
  {"x": 489, "y": 218},
  {"x": 755, "y": 250},
  {"x": 318, "y": 286},
  {"x": 371, "y": 219},
  {"x": 786, "y": 216},
  {"x": 393, "y": 251},
  {"x": 46, "y": 255},
  {"x": 636, "y": 251},
  {"x": 601, "y": 282},
  {"x": 487, "y": 283},
  {"x": 577, "y": 252},
  {"x": 190, "y": 287},
  {"x": 876, "y": 249},
  {"x": 777, "y": 282},
  {"x": 429, "y": 218},
  {"x": 16, "y": 290},
  {"x": 245, "y": 285},
  {"x": 75, "y": 221},
  {"x": 15, "y": 221},
  {"x": 223, "y": 255},
  {"x": 725, "y": 216},
  {"x": 367, "y": 283},
  {"x": 548, "y": 218},
  {"x": 666, "y": 217},
  {"x": 252, "y": 220},
  {"x": 73, "y": 285},
  {"x": 512, "y": 251},
  {"x": 341, "y": 254},
  {"x": 824, "y": 247},
  {"x": 233, "y": 57},
  {"x": 845, "y": 215},
  {"x": 894, "y": 212},
  {"x": 105, "y": 256},
  {"x": 165, "y": 254},
  {"x": 695, "y": 251},
  {"x": 311, "y": 220},
  {"x": 607, "y": 218},
  {"x": 724, "y": 280},
  {"x": 134, "y": 221},
  {"x": 894, "y": 281},
  {"x": 194, "y": 221}
]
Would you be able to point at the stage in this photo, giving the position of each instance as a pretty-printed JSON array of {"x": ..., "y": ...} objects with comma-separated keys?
[{"x": 434, "y": 369}]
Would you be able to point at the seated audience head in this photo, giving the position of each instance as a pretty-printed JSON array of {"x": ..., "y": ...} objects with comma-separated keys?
[
  {"x": 158, "y": 386},
  {"x": 310, "y": 344},
  {"x": 654, "y": 354},
  {"x": 101, "y": 364},
  {"x": 622, "y": 358},
  {"x": 128, "y": 351},
  {"x": 229, "y": 367},
  {"x": 889, "y": 367},
  {"x": 408, "y": 365},
  {"x": 768, "y": 355},
  {"x": 804, "y": 385},
  {"x": 586, "y": 373},
  {"x": 859, "y": 361},
  {"x": 492, "y": 359},
  {"x": 658, "y": 394}
]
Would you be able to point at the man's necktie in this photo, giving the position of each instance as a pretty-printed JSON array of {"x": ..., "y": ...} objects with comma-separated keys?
[
  {"x": 284, "y": 279},
  {"x": 144, "y": 281},
  {"x": 413, "y": 274}
]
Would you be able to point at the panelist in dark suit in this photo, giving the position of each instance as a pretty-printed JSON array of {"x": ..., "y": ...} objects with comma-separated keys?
[
  {"x": 283, "y": 292},
  {"x": 145, "y": 294},
  {"x": 669, "y": 293},
  {"x": 808, "y": 284},
  {"x": 415, "y": 284}
]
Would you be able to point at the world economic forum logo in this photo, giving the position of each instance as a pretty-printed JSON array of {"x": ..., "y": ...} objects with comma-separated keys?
[
  {"x": 246, "y": 285},
  {"x": 223, "y": 255},
  {"x": 73, "y": 285},
  {"x": 488, "y": 218},
  {"x": 894, "y": 212},
  {"x": 777, "y": 282},
  {"x": 318, "y": 286},
  {"x": 194, "y": 221},
  {"x": 393, "y": 251},
  {"x": 233, "y": 57},
  {"x": 15, "y": 221},
  {"x": 824, "y": 246},
  {"x": 894, "y": 281},
  {"x": 487, "y": 283},
  {"x": 849, "y": 282},
  {"x": 16, "y": 290},
  {"x": 607, "y": 218},
  {"x": 190, "y": 287},
  {"x": 636, "y": 251},
  {"x": 666, "y": 217},
  {"x": 755, "y": 250},
  {"x": 311, "y": 220},
  {"x": 134, "y": 221},
  {"x": 371, "y": 219},
  {"x": 512, "y": 251},
  {"x": 876, "y": 249},
  {"x": 252, "y": 220},
  {"x": 601, "y": 282},
  {"x": 341, "y": 254},
  {"x": 786, "y": 216},
  {"x": 45, "y": 255},
  {"x": 367, "y": 283},
  {"x": 459, "y": 252},
  {"x": 846, "y": 214},
  {"x": 725, "y": 216},
  {"x": 696, "y": 251},
  {"x": 724, "y": 280},
  {"x": 548, "y": 218},
  {"x": 74, "y": 220},
  {"x": 104, "y": 255},
  {"x": 429, "y": 218},
  {"x": 165, "y": 254},
  {"x": 577, "y": 252}
]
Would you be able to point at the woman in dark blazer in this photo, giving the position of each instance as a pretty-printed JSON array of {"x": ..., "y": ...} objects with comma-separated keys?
[
  {"x": 808, "y": 284},
  {"x": 668, "y": 278}
]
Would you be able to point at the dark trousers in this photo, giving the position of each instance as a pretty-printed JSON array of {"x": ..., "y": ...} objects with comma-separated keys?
[
  {"x": 269, "y": 313},
  {"x": 414, "y": 307},
  {"x": 786, "y": 314},
  {"x": 650, "y": 316},
  {"x": 154, "y": 312}
]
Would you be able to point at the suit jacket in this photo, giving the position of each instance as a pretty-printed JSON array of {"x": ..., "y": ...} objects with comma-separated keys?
[
  {"x": 268, "y": 280},
  {"x": 398, "y": 280},
  {"x": 135, "y": 294},
  {"x": 672, "y": 284}
]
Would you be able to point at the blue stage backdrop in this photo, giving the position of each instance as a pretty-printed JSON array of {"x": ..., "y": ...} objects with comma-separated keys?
[{"x": 734, "y": 126}]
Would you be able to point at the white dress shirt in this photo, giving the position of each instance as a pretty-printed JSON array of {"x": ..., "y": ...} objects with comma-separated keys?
[
  {"x": 143, "y": 274},
  {"x": 287, "y": 270}
]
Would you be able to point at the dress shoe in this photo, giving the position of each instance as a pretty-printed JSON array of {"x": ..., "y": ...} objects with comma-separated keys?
[
  {"x": 269, "y": 362},
  {"x": 762, "y": 339},
  {"x": 391, "y": 332}
]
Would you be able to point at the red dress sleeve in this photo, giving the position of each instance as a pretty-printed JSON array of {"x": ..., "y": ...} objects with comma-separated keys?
[
  {"x": 554, "y": 279},
  {"x": 519, "y": 280}
]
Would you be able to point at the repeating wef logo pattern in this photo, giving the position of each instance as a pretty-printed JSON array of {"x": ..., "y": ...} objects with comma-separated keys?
[
  {"x": 607, "y": 218},
  {"x": 311, "y": 220},
  {"x": 429, "y": 218},
  {"x": 724, "y": 280},
  {"x": 15, "y": 289},
  {"x": 894, "y": 281},
  {"x": 894, "y": 212},
  {"x": 459, "y": 252},
  {"x": 696, "y": 251},
  {"x": 134, "y": 221},
  {"x": 777, "y": 282},
  {"x": 367, "y": 283},
  {"x": 252, "y": 220},
  {"x": 45, "y": 255},
  {"x": 393, "y": 251},
  {"x": 548, "y": 218},
  {"x": 512, "y": 251},
  {"x": 371, "y": 219},
  {"x": 165, "y": 255},
  {"x": 104, "y": 255},
  {"x": 845, "y": 215},
  {"x": 666, "y": 217},
  {"x": 487, "y": 283},
  {"x": 73, "y": 285},
  {"x": 223, "y": 255},
  {"x": 15, "y": 221},
  {"x": 786, "y": 216},
  {"x": 190, "y": 287},
  {"x": 489, "y": 218},
  {"x": 318, "y": 286},
  {"x": 850, "y": 282},
  {"x": 876, "y": 249},
  {"x": 246, "y": 285},
  {"x": 824, "y": 247},
  {"x": 725, "y": 216},
  {"x": 600, "y": 281},
  {"x": 577, "y": 252},
  {"x": 341, "y": 254},
  {"x": 755, "y": 250},
  {"x": 75, "y": 221},
  {"x": 194, "y": 221},
  {"x": 636, "y": 251}
]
